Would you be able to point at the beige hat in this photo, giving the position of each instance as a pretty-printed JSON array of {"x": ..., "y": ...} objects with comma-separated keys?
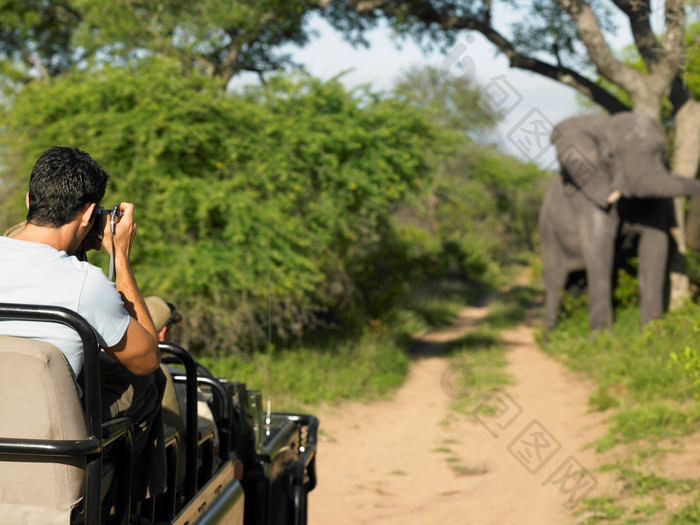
[
  {"x": 161, "y": 312},
  {"x": 14, "y": 230}
]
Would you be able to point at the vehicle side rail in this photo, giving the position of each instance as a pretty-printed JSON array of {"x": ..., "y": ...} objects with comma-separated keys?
[
  {"x": 54, "y": 448},
  {"x": 111, "y": 431},
  {"x": 183, "y": 357}
]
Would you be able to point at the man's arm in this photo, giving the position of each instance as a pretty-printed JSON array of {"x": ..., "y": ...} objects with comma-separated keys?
[{"x": 138, "y": 349}]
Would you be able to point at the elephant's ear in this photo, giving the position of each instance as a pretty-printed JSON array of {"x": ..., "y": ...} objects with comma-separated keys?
[{"x": 585, "y": 161}]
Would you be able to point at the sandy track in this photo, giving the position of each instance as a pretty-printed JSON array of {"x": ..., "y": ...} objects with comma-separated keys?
[{"x": 384, "y": 462}]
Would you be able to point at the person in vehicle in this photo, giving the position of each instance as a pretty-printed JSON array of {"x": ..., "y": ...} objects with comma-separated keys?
[
  {"x": 38, "y": 266},
  {"x": 164, "y": 315}
]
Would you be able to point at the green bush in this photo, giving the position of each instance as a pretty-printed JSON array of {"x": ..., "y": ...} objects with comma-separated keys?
[
  {"x": 275, "y": 211},
  {"x": 259, "y": 208}
]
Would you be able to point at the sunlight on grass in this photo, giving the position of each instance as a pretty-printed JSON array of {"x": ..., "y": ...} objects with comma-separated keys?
[
  {"x": 647, "y": 383},
  {"x": 370, "y": 368}
]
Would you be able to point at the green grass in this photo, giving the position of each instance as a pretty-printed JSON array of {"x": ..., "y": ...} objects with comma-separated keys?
[
  {"x": 478, "y": 362},
  {"x": 647, "y": 384},
  {"x": 601, "y": 508},
  {"x": 649, "y": 394},
  {"x": 687, "y": 515},
  {"x": 364, "y": 369}
]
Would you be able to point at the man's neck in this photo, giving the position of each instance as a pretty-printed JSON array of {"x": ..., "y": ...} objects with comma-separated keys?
[{"x": 62, "y": 238}]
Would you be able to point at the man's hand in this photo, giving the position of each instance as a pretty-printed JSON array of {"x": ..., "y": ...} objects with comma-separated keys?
[
  {"x": 124, "y": 233},
  {"x": 138, "y": 350}
]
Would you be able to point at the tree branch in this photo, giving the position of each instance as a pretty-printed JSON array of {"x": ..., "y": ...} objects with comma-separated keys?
[
  {"x": 592, "y": 36},
  {"x": 559, "y": 73},
  {"x": 32, "y": 61},
  {"x": 674, "y": 36},
  {"x": 662, "y": 59},
  {"x": 428, "y": 15},
  {"x": 639, "y": 13}
]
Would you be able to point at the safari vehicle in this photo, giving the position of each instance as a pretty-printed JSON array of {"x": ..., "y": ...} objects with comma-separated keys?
[{"x": 228, "y": 462}]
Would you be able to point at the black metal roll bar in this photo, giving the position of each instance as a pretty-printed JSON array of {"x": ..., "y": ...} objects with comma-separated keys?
[{"x": 183, "y": 357}]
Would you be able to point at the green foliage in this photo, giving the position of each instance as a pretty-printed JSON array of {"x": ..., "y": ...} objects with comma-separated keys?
[
  {"x": 453, "y": 101},
  {"x": 648, "y": 394},
  {"x": 651, "y": 421},
  {"x": 687, "y": 515},
  {"x": 626, "y": 291},
  {"x": 692, "y": 65},
  {"x": 480, "y": 208},
  {"x": 50, "y": 37},
  {"x": 636, "y": 373},
  {"x": 38, "y": 29},
  {"x": 284, "y": 207},
  {"x": 250, "y": 205},
  {"x": 689, "y": 359},
  {"x": 602, "y": 508}
]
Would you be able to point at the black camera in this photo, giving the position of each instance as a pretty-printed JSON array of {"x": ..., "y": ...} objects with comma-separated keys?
[{"x": 97, "y": 228}]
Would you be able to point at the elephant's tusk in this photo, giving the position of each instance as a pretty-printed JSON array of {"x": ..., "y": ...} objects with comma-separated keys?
[{"x": 614, "y": 197}]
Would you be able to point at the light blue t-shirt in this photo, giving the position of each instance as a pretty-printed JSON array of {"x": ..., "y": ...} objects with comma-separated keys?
[{"x": 35, "y": 273}]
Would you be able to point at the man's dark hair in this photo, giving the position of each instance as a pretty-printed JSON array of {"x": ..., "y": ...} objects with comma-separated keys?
[{"x": 63, "y": 180}]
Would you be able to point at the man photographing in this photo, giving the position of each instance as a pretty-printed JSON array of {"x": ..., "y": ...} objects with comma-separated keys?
[{"x": 38, "y": 266}]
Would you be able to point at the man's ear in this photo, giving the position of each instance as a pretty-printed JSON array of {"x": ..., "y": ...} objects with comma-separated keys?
[{"x": 86, "y": 214}]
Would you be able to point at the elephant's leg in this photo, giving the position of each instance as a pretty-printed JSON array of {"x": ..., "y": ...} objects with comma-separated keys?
[
  {"x": 653, "y": 259},
  {"x": 598, "y": 235},
  {"x": 554, "y": 277}
]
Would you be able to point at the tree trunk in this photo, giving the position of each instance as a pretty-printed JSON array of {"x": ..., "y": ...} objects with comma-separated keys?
[{"x": 685, "y": 160}]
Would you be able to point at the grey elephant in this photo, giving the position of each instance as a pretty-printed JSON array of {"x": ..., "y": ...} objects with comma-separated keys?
[{"x": 614, "y": 183}]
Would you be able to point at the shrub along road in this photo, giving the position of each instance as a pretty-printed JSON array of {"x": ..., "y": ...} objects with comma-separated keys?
[{"x": 415, "y": 459}]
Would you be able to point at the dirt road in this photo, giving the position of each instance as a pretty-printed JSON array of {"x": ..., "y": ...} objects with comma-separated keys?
[{"x": 385, "y": 462}]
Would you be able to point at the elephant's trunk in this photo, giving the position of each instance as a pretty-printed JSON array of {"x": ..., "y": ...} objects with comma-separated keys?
[{"x": 663, "y": 184}]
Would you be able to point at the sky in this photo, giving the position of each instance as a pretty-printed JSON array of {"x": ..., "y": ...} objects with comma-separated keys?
[{"x": 532, "y": 103}]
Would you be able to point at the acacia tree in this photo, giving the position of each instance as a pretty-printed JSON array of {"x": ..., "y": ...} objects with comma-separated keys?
[
  {"x": 44, "y": 38},
  {"x": 564, "y": 40}
]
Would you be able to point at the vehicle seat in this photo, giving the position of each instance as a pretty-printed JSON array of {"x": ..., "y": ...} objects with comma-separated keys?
[{"x": 36, "y": 379}]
